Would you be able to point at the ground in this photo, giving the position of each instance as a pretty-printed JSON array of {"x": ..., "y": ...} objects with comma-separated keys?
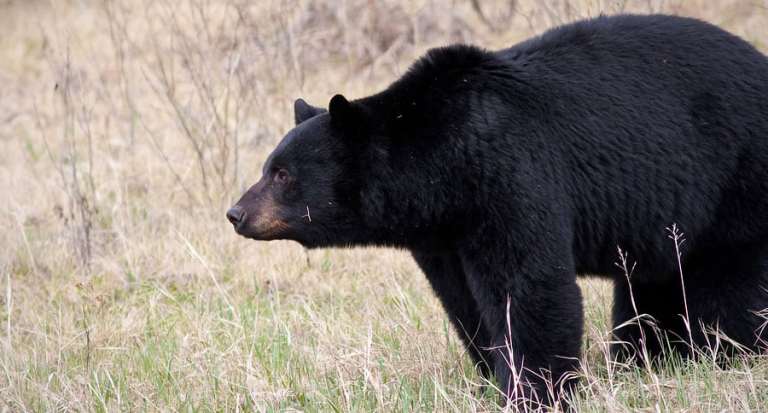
[{"x": 126, "y": 130}]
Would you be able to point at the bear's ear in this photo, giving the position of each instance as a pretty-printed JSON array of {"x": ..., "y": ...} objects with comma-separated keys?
[
  {"x": 303, "y": 111},
  {"x": 348, "y": 116},
  {"x": 341, "y": 110}
]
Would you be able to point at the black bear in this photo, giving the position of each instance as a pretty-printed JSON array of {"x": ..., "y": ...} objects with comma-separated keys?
[{"x": 507, "y": 173}]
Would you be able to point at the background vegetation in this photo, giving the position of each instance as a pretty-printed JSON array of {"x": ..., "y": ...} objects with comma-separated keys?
[{"x": 126, "y": 130}]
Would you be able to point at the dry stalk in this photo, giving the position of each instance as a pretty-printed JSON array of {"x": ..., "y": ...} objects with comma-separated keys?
[
  {"x": 638, "y": 320},
  {"x": 677, "y": 237}
]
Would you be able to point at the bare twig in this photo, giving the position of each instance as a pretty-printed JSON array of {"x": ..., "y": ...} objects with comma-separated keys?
[{"x": 503, "y": 20}]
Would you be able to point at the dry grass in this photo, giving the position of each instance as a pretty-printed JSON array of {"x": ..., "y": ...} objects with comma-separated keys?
[{"x": 127, "y": 127}]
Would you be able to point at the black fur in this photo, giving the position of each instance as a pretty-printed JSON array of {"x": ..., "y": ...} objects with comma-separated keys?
[{"x": 507, "y": 173}]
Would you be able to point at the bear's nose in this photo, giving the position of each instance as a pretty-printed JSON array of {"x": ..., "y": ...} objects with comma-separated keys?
[{"x": 236, "y": 215}]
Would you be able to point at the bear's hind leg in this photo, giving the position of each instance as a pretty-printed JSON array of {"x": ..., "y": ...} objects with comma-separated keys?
[
  {"x": 727, "y": 292},
  {"x": 645, "y": 318}
]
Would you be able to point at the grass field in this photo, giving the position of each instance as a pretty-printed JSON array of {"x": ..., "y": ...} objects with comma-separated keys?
[{"x": 126, "y": 130}]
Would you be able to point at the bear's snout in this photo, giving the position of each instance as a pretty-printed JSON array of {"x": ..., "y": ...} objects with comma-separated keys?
[
  {"x": 236, "y": 215},
  {"x": 257, "y": 215}
]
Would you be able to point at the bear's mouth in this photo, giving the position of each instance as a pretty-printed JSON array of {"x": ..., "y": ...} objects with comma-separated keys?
[{"x": 263, "y": 230}]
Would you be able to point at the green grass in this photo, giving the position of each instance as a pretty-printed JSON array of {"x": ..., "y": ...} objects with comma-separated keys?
[{"x": 264, "y": 349}]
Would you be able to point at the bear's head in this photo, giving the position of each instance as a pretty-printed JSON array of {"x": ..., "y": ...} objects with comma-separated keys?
[
  {"x": 397, "y": 168},
  {"x": 309, "y": 188}
]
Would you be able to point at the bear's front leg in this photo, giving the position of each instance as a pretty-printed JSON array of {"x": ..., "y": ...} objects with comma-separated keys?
[
  {"x": 531, "y": 305},
  {"x": 446, "y": 275}
]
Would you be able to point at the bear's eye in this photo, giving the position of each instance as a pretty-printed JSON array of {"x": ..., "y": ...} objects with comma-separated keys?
[{"x": 281, "y": 176}]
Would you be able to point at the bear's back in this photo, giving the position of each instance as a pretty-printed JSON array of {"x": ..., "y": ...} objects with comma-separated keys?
[{"x": 658, "y": 120}]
